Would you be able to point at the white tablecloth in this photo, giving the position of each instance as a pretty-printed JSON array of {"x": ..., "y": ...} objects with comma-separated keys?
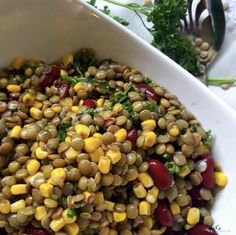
[{"x": 225, "y": 64}]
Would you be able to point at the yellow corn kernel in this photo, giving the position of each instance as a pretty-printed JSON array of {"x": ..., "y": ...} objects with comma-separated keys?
[
  {"x": 175, "y": 208},
  {"x": 152, "y": 194},
  {"x": 71, "y": 154},
  {"x": 139, "y": 190},
  {"x": 15, "y": 132},
  {"x": 79, "y": 86},
  {"x": 113, "y": 232},
  {"x": 104, "y": 165},
  {"x": 30, "y": 179},
  {"x": 63, "y": 73},
  {"x": 119, "y": 216},
  {"x": 36, "y": 113},
  {"x": 144, "y": 208},
  {"x": 46, "y": 189},
  {"x": 75, "y": 109},
  {"x": 114, "y": 155},
  {"x": 40, "y": 153},
  {"x": 14, "y": 88},
  {"x": 19, "y": 189},
  {"x": 16, "y": 206},
  {"x": 67, "y": 217},
  {"x": 174, "y": 131},
  {"x": 97, "y": 135},
  {"x": 5, "y": 206},
  {"x": 221, "y": 179},
  {"x": 98, "y": 198},
  {"x": 18, "y": 62},
  {"x": 149, "y": 138},
  {"x": 193, "y": 216},
  {"x": 56, "y": 108},
  {"x": 148, "y": 222},
  {"x": 109, "y": 205},
  {"x": 95, "y": 156},
  {"x": 146, "y": 179},
  {"x": 117, "y": 108},
  {"x": 72, "y": 229},
  {"x": 86, "y": 194},
  {"x": 66, "y": 102},
  {"x": 100, "y": 102},
  {"x": 91, "y": 144},
  {"x": 68, "y": 59},
  {"x": 185, "y": 171},
  {"x": 33, "y": 166},
  {"x": 149, "y": 125},
  {"x": 159, "y": 231},
  {"x": 82, "y": 130},
  {"x": 50, "y": 203},
  {"x": 38, "y": 104},
  {"x": 40, "y": 212},
  {"x": 120, "y": 135},
  {"x": 57, "y": 224},
  {"x": 68, "y": 139},
  {"x": 58, "y": 176},
  {"x": 28, "y": 99}
]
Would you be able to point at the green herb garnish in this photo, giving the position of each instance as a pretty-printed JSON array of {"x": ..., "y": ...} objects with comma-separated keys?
[
  {"x": 152, "y": 107},
  {"x": 172, "y": 167},
  {"x": 193, "y": 127},
  {"x": 71, "y": 213},
  {"x": 62, "y": 132},
  {"x": 54, "y": 197},
  {"x": 103, "y": 88},
  {"x": 106, "y": 10},
  {"x": 64, "y": 201},
  {"x": 121, "y": 20},
  {"x": 165, "y": 16},
  {"x": 207, "y": 139},
  {"x": 92, "y": 112},
  {"x": 72, "y": 81}
]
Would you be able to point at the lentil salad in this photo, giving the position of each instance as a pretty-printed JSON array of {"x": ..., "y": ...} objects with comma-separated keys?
[{"x": 95, "y": 147}]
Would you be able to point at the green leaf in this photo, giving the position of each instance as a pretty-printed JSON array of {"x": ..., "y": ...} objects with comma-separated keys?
[
  {"x": 106, "y": 10},
  {"x": 153, "y": 107},
  {"x": 72, "y": 81},
  {"x": 91, "y": 111},
  {"x": 71, "y": 213},
  {"x": 62, "y": 132},
  {"x": 207, "y": 139},
  {"x": 92, "y": 2},
  {"x": 103, "y": 88},
  {"x": 121, "y": 20},
  {"x": 64, "y": 201},
  {"x": 172, "y": 167},
  {"x": 193, "y": 127},
  {"x": 54, "y": 197}
]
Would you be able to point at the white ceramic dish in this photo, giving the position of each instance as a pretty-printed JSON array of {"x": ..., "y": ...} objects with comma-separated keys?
[{"x": 48, "y": 29}]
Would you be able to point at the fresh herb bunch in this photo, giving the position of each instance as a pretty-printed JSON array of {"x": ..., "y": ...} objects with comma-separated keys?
[{"x": 165, "y": 16}]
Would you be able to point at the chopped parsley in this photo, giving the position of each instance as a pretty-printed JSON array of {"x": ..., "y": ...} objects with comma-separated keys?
[
  {"x": 207, "y": 139},
  {"x": 72, "y": 81},
  {"x": 54, "y": 197},
  {"x": 153, "y": 107},
  {"x": 172, "y": 167},
  {"x": 193, "y": 127},
  {"x": 92, "y": 112},
  {"x": 103, "y": 88},
  {"x": 71, "y": 213},
  {"x": 62, "y": 132}
]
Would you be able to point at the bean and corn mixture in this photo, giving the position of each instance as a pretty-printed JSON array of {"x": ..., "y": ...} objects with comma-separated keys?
[{"x": 95, "y": 147}]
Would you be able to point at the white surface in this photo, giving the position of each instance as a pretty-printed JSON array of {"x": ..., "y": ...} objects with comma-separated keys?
[{"x": 67, "y": 25}]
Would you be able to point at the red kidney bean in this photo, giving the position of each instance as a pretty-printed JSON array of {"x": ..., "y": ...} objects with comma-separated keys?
[
  {"x": 63, "y": 90},
  {"x": 160, "y": 174},
  {"x": 202, "y": 229},
  {"x": 36, "y": 231},
  {"x": 148, "y": 91},
  {"x": 208, "y": 178},
  {"x": 196, "y": 199},
  {"x": 132, "y": 136},
  {"x": 89, "y": 103},
  {"x": 49, "y": 77},
  {"x": 163, "y": 214}
]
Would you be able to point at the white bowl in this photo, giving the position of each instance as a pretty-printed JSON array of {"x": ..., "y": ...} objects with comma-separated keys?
[{"x": 48, "y": 29}]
